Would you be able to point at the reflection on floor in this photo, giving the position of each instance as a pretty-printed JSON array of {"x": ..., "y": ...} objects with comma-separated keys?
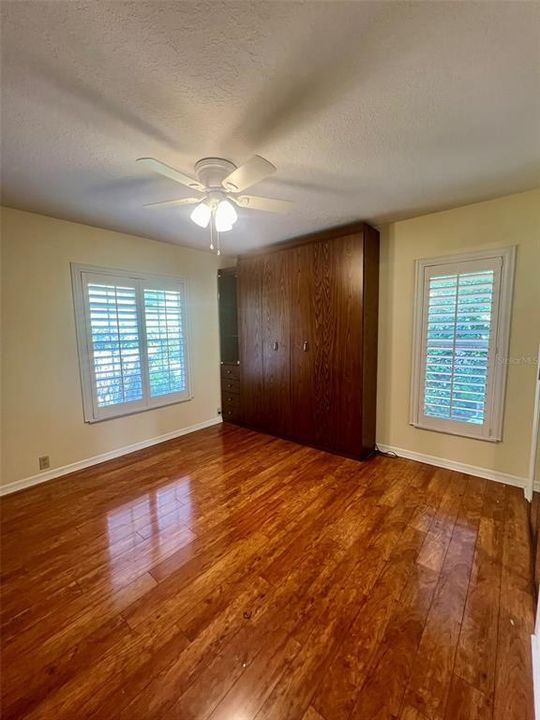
[{"x": 232, "y": 575}]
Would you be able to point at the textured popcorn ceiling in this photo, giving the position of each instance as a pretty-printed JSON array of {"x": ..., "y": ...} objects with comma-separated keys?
[{"x": 374, "y": 110}]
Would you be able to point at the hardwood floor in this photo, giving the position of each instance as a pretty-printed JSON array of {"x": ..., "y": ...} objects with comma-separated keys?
[{"x": 230, "y": 575}]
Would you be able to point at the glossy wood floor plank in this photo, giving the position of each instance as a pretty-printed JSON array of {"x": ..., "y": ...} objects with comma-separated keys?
[
  {"x": 465, "y": 702},
  {"x": 512, "y": 694},
  {"x": 229, "y": 574},
  {"x": 477, "y": 649},
  {"x": 432, "y": 673}
]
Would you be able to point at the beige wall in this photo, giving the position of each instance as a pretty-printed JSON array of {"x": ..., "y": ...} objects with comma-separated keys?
[
  {"x": 512, "y": 220},
  {"x": 41, "y": 399}
]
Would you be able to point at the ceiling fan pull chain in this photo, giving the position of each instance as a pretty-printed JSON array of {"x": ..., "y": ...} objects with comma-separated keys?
[
  {"x": 218, "y": 242},
  {"x": 211, "y": 235}
]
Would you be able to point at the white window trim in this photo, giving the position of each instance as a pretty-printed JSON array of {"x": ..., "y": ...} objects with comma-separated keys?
[
  {"x": 92, "y": 413},
  {"x": 492, "y": 429}
]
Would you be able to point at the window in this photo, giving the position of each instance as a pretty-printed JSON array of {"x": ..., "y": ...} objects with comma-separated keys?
[
  {"x": 461, "y": 343},
  {"x": 132, "y": 338}
]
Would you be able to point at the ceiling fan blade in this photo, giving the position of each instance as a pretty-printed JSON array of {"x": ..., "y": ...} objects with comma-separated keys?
[
  {"x": 251, "y": 172},
  {"x": 171, "y": 203},
  {"x": 253, "y": 202},
  {"x": 162, "y": 169}
]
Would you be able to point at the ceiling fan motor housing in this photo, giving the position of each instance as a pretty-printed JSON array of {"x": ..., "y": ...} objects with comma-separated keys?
[{"x": 212, "y": 171}]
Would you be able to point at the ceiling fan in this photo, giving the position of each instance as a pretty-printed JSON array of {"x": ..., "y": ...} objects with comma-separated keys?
[{"x": 221, "y": 184}]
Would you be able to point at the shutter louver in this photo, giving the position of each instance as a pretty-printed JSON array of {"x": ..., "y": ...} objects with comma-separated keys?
[
  {"x": 458, "y": 344},
  {"x": 115, "y": 343},
  {"x": 165, "y": 341}
]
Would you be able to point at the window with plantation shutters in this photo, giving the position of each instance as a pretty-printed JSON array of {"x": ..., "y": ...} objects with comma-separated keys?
[
  {"x": 461, "y": 343},
  {"x": 132, "y": 339}
]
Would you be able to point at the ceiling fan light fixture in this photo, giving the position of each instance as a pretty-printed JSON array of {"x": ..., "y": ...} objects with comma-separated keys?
[
  {"x": 225, "y": 216},
  {"x": 215, "y": 178},
  {"x": 201, "y": 215}
]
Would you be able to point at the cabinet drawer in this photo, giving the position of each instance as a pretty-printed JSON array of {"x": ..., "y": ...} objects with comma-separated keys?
[
  {"x": 230, "y": 385},
  {"x": 230, "y": 414},
  {"x": 230, "y": 400},
  {"x": 230, "y": 371}
]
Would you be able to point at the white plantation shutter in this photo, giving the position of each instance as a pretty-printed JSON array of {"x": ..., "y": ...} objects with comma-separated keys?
[
  {"x": 461, "y": 339},
  {"x": 165, "y": 341},
  {"x": 115, "y": 342},
  {"x": 132, "y": 337}
]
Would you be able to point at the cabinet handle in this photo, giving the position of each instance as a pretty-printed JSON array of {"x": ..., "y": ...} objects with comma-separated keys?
[
  {"x": 276, "y": 345},
  {"x": 305, "y": 345}
]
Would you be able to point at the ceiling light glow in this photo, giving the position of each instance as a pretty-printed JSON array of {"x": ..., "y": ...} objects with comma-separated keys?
[
  {"x": 201, "y": 215},
  {"x": 225, "y": 216}
]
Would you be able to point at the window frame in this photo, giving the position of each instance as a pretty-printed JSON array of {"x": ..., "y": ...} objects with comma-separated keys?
[
  {"x": 492, "y": 428},
  {"x": 141, "y": 281}
]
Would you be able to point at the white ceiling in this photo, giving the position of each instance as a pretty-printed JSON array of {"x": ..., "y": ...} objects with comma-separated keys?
[{"x": 370, "y": 110}]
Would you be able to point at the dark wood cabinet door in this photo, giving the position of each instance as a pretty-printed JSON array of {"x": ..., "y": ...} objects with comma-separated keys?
[
  {"x": 250, "y": 276},
  {"x": 339, "y": 302},
  {"x": 326, "y": 331},
  {"x": 305, "y": 344},
  {"x": 275, "y": 340}
]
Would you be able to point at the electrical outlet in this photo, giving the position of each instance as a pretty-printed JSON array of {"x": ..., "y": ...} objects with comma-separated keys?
[{"x": 44, "y": 462}]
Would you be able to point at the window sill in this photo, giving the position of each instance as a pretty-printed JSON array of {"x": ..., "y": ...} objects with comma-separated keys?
[
  {"x": 137, "y": 411},
  {"x": 457, "y": 432}
]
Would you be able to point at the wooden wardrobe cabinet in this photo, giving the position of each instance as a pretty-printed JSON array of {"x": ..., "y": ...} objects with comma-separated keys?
[
  {"x": 308, "y": 339},
  {"x": 275, "y": 300}
]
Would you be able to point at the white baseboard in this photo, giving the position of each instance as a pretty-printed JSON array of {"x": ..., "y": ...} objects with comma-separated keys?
[
  {"x": 96, "y": 459},
  {"x": 482, "y": 472}
]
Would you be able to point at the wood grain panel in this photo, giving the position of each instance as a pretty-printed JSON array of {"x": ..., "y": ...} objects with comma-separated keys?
[
  {"x": 276, "y": 342},
  {"x": 306, "y": 343},
  {"x": 370, "y": 335},
  {"x": 340, "y": 266},
  {"x": 324, "y": 340},
  {"x": 327, "y": 314},
  {"x": 250, "y": 318}
]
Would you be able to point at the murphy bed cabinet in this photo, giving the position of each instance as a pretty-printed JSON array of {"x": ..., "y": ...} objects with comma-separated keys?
[{"x": 307, "y": 325}]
